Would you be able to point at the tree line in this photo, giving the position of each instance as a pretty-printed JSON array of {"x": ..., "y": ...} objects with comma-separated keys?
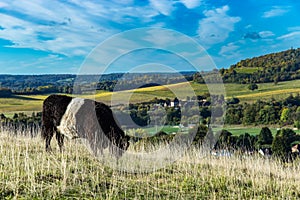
[
  {"x": 21, "y": 124},
  {"x": 69, "y": 83},
  {"x": 281, "y": 112},
  {"x": 280, "y": 145}
]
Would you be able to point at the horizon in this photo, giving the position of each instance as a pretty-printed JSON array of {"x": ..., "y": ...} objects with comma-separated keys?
[
  {"x": 98, "y": 74},
  {"x": 56, "y": 37}
]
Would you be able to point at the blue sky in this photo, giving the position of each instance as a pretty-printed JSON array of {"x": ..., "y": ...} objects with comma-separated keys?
[{"x": 55, "y": 36}]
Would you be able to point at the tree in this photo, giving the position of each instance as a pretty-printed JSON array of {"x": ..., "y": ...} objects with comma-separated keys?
[
  {"x": 168, "y": 101},
  {"x": 285, "y": 114},
  {"x": 176, "y": 102},
  {"x": 249, "y": 114},
  {"x": 233, "y": 100},
  {"x": 224, "y": 140},
  {"x": 281, "y": 145},
  {"x": 265, "y": 137},
  {"x": 245, "y": 141},
  {"x": 297, "y": 118},
  {"x": 200, "y": 134},
  {"x": 253, "y": 86}
]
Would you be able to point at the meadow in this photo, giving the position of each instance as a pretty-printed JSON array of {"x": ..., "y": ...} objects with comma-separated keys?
[
  {"x": 30, "y": 103},
  {"x": 28, "y": 172}
]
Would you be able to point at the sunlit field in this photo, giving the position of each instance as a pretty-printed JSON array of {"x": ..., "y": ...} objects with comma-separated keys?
[
  {"x": 29, "y": 103},
  {"x": 28, "y": 172}
]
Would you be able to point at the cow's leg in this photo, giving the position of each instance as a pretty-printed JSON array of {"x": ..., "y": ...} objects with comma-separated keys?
[
  {"x": 48, "y": 134},
  {"x": 60, "y": 140}
]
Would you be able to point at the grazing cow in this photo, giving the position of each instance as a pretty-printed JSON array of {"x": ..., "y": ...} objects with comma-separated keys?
[{"x": 82, "y": 118}]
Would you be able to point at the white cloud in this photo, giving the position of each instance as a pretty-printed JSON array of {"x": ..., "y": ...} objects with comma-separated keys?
[
  {"x": 190, "y": 4},
  {"x": 228, "y": 48},
  {"x": 164, "y": 7},
  {"x": 294, "y": 28},
  {"x": 74, "y": 27},
  {"x": 266, "y": 34},
  {"x": 217, "y": 25},
  {"x": 2, "y": 5},
  {"x": 64, "y": 40},
  {"x": 289, "y": 36},
  {"x": 276, "y": 11},
  {"x": 248, "y": 26}
]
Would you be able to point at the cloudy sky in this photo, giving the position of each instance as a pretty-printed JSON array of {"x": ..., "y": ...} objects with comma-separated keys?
[{"x": 56, "y": 36}]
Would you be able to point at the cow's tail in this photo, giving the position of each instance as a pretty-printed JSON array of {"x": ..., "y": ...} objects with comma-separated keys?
[
  {"x": 43, "y": 131},
  {"x": 46, "y": 122}
]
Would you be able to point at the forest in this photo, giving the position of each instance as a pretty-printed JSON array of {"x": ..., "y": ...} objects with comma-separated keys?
[
  {"x": 274, "y": 67},
  {"x": 78, "y": 84}
]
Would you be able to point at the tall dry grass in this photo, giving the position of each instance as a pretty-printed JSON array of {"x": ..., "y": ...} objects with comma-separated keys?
[{"x": 27, "y": 172}]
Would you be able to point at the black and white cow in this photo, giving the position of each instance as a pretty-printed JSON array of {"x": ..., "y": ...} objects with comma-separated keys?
[{"x": 82, "y": 118}]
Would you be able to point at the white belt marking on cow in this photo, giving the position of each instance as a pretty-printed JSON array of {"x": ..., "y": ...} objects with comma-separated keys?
[{"x": 68, "y": 122}]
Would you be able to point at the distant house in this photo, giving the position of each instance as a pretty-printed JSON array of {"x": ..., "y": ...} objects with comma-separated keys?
[
  {"x": 190, "y": 126},
  {"x": 265, "y": 152}
]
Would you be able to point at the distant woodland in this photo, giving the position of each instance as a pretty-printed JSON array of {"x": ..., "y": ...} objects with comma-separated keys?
[
  {"x": 68, "y": 83},
  {"x": 274, "y": 67}
]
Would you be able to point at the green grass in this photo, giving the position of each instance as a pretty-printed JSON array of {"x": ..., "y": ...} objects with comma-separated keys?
[
  {"x": 239, "y": 130},
  {"x": 246, "y": 70},
  {"x": 20, "y": 103},
  {"x": 29, "y": 103},
  {"x": 27, "y": 172},
  {"x": 166, "y": 129}
]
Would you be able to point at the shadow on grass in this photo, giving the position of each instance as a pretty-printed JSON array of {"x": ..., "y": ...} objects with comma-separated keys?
[{"x": 20, "y": 98}]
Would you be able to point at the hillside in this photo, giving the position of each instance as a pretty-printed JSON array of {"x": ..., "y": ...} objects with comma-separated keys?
[
  {"x": 274, "y": 67},
  {"x": 24, "y": 103}
]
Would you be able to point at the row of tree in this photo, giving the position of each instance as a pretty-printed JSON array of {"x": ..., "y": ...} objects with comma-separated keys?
[
  {"x": 21, "y": 124},
  {"x": 69, "y": 83},
  {"x": 283, "y": 112},
  {"x": 280, "y": 145}
]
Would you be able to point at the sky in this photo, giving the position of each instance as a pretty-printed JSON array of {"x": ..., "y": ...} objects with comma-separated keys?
[{"x": 62, "y": 36}]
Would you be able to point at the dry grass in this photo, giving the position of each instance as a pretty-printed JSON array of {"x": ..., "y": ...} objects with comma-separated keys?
[{"x": 27, "y": 172}]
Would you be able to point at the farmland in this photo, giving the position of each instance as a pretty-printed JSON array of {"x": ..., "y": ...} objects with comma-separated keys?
[{"x": 29, "y": 103}]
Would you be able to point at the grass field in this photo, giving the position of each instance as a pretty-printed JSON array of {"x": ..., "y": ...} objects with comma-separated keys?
[
  {"x": 265, "y": 91},
  {"x": 27, "y": 172},
  {"x": 246, "y": 70},
  {"x": 238, "y": 130}
]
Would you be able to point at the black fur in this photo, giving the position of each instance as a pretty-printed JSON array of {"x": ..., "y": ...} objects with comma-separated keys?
[{"x": 54, "y": 108}]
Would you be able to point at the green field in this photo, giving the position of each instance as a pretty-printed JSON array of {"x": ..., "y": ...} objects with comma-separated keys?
[
  {"x": 238, "y": 130},
  {"x": 166, "y": 129},
  {"x": 246, "y": 70},
  {"x": 29, "y": 103}
]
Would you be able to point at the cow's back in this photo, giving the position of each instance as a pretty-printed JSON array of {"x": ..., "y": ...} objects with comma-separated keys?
[{"x": 54, "y": 108}]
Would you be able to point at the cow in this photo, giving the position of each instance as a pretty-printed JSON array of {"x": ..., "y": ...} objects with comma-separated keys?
[{"x": 82, "y": 118}]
